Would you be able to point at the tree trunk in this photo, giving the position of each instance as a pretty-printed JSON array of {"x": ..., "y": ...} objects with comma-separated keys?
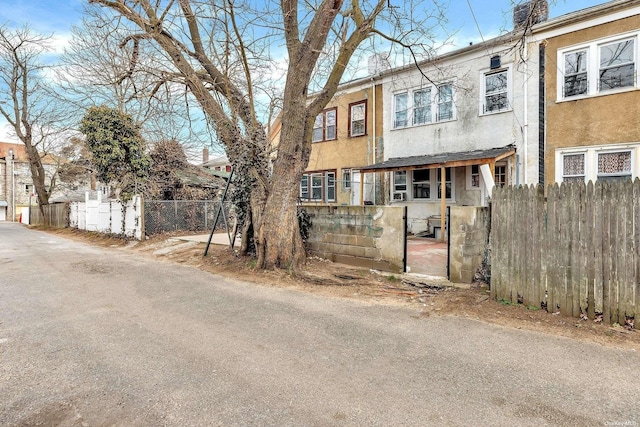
[
  {"x": 38, "y": 176},
  {"x": 279, "y": 234}
]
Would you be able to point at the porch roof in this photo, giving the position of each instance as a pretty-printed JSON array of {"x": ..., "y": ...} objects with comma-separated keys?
[{"x": 465, "y": 158}]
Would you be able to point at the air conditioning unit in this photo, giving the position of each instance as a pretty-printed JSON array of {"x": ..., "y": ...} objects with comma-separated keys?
[{"x": 399, "y": 197}]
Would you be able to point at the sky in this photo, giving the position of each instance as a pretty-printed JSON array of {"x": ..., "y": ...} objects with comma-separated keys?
[{"x": 493, "y": 17}]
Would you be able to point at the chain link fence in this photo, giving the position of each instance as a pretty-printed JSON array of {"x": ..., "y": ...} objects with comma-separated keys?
[{"x": 162, "y": 216}]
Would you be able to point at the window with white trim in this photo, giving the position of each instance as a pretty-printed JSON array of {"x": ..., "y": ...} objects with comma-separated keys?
[
  {"x": 603, "y": 162},
  {"x": 617, "y": 65},
  {"x": 346, "y": 179},
  {"x": 496, "y": 91},
  {"x": 318, "y": 187},
  {"x": 614, "y": 165},
  {"x": 573, "y": 167},
  {"x": 421, "y": 183},
  {"x": 324, "y": 127},
  {"x": 400, "y": 185},
  {"x": 358, "y": 118},
  {"x": 473, "y": 177},
  {"x": 401, "y": 108},
  {"x": 598, "y": 67},
  {"x": 575, "y": 73},
  {"x": 445, "y": 103},
  {"x": 417, "y": 107},
  {"x": 422, "y": 106}
]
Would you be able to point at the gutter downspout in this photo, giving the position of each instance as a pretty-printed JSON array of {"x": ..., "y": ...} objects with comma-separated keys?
[{"x": 374, "y": 123}]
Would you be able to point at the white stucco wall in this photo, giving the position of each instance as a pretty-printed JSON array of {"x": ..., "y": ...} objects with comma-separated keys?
[{"x": 470, "y": 129}]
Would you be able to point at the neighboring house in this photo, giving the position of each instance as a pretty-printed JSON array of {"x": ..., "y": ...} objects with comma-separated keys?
[
  {"x": 16, "y": 185},
  {"x": 591, "y": 92},
  {"x": 11, "y": 157},
  {"x": 456, "y": 126},
  {"x": 346, "y": 137},
  {"x": 218, "y": 163}
]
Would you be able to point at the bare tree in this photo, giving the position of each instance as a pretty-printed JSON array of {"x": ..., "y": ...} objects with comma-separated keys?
[
  {"x": 96, "y": 70},
  {"x": 26, "y": 102},
  {"x": 216, "y": 49}
]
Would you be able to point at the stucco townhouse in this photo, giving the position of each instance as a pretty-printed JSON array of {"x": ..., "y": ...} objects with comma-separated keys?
[
  {"x": 456, "y": 125},
  {"x": 591, "y": 103},
  {"x": 347, "y": 136}
]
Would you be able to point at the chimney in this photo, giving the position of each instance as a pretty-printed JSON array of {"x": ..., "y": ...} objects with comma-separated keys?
[
  {"x": 205, "y": 155},
  {"x": 530, "y": 13}
]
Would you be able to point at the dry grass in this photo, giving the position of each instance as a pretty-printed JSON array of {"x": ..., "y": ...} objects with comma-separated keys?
[{"x": 339, "y": 281}]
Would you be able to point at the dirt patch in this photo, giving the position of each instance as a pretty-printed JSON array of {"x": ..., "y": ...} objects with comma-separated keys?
[{"x": 340, "y": 281}]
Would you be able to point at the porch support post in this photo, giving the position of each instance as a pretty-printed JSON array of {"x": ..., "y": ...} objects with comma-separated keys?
[
  {"x": 362, "y": 188},
  {"x": 488, "y": 172},
  {"x": 443, "y": 200}
]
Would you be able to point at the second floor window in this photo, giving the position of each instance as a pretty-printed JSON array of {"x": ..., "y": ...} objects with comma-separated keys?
[
  {"x": 617, "y": 65},
  {"x": 575, "y": 73},
  {"x": 358, "y": 119},
  {"x": 445, "y": 103},
  {"x": 424, "y": 105},
  {"x": 496, "y": 91},
  {"x": 324, "y": 127},
  {"x": 598, "y": 67}
]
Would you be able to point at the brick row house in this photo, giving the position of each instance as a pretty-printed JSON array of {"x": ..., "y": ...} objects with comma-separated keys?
[{"x": 555, "y": 104}]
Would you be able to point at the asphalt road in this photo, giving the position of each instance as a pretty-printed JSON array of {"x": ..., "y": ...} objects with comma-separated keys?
[{"x": 94, "y": 336}]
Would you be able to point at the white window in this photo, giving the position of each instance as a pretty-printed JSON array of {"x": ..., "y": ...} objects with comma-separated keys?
[
  {"x": 603, "y": 162},
  {"x": 318, "y": 187},
  {"x": 473, "y": 177},
  {"x": 617, "y": 65},
  {"x": 598, "y": 67},
  {"x": 346, "y": 179},
  {"x": 400, "y": 185},
  {"x": 304, "y": 187},
  {"x": 331, "y": 186},
  {"x": 496, "y": 91},
  {"x": 575, "y": 73},
  {"x": 425, "y": 184},
  {"x": 417, "y": 107},
  {"x": 358, "y": 119},
  {"x": 445, "y": 102},
  {"x": 401, "y": 108},
  {"x": 573, "y": 167},
  {"x": 422, "y": 106},
  {"x": 615, "y": 165},
  {"x": 324, "y": 127}
]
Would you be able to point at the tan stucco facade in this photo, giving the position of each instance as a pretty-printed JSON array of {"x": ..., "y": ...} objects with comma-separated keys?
[
  {"x": 603, "y": 119},
  {"x": 346, "y": 152}
]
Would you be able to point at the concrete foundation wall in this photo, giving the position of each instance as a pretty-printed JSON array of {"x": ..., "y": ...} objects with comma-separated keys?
[
  {"x": 367, "y": 236},
  {"x": 469, "y": 228}
]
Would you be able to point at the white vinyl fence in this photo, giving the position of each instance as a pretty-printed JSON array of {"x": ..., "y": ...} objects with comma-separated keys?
[{"x": 110, "y": 217}]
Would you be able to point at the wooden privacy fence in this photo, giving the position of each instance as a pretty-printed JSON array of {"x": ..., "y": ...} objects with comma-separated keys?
[
  {"x": 578, "y": 251},
  {"x": 55, "y": 215}
]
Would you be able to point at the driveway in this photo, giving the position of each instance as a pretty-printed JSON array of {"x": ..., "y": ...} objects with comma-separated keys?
[{"x": 94, "y": 336}]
